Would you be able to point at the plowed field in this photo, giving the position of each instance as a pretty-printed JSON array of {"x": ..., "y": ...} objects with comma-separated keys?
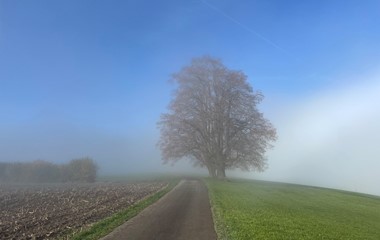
[{"x": 49, "y": 211}]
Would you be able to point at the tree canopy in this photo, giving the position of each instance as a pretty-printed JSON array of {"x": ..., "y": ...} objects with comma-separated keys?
[{"x": 213, "y": 120}]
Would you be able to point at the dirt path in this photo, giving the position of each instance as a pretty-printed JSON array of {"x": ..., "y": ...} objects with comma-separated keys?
[{"x": 183, "y": 213}]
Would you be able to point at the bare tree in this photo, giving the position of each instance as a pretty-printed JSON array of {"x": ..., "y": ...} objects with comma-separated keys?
[{"x": 214, "y": 121}]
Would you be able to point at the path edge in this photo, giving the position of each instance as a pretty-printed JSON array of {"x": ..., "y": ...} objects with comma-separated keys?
[
  {"x": 107, "y": 225},
  {"x": 219, "y": 225}
]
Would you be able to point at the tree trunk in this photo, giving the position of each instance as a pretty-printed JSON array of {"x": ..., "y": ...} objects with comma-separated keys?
[
  {"x": 211, "y": 171},
  {"x": 221, "y": 173},
  {"x": 221, "y": 166}
]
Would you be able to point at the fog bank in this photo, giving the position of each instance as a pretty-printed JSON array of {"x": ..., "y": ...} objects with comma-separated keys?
[{"x": 329, "y": 139}]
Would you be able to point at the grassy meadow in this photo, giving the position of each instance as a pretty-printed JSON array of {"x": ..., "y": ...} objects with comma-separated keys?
[{"x": 266, "y": 210}]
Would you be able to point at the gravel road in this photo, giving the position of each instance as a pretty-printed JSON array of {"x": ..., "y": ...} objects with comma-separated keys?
[{"x": 183, "y": 213}]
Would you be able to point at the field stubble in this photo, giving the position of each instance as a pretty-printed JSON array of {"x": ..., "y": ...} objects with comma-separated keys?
[{"x": 49, "y": 211}]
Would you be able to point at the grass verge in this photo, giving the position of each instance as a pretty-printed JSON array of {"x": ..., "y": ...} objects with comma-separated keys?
[
  {"x": 265, "y": 210},
  {"x": 107, "y": 225}
]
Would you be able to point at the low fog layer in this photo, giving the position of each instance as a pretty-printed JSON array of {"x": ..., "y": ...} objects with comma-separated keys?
[
  {"x": 326, "y": 139},
  {"x": 330, "y": 138}
]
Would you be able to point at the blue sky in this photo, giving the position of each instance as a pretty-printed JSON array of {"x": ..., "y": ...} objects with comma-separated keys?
[{"x": 91, "y": 77}]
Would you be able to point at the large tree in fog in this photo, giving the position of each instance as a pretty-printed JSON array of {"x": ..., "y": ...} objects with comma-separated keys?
[{"x": 213, "y": 119}]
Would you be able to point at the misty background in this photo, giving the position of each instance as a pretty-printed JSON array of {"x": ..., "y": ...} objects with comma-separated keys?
[{"x": 90, "y": 78}]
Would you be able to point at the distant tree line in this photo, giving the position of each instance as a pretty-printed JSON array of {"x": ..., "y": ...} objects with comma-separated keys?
[{"x": 77, "y": 170}]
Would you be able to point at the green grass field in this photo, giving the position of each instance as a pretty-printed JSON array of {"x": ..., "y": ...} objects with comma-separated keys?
[{"x": 265, "y": 210}]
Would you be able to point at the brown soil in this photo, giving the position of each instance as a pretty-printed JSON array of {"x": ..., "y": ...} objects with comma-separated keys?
[{"x": 52, "y": 210}]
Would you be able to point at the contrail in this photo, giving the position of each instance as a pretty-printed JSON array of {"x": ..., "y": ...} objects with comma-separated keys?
[{"x": 244, "y": 26}]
